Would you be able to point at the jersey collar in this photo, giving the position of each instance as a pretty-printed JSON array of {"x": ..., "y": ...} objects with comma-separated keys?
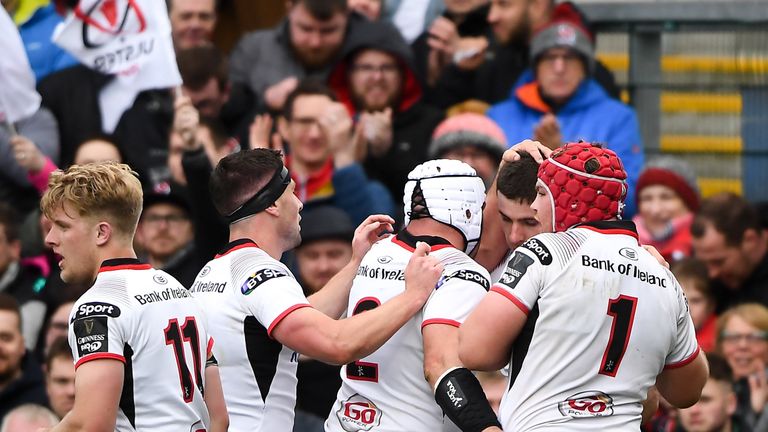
[
  {"x": 235, "y": 245},
  {"x": 624, "y": 227},
  {"x": 123, "y": 264},
  {"x": 408, "y": 241}
]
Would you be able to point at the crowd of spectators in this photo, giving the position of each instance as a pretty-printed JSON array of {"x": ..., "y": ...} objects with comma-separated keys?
[{"x": 356, "y": 95}]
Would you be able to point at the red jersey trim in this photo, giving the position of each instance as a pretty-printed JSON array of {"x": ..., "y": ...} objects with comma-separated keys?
[
  {"x": 445, "y": 321},
  {"x": 238, "y": 247},
  {"x": 99, "y": 356},
  {"x": 210, "y": 347},
  {"x": 511, "y": 297},
  {"x": 611, "y": 231},
  {"x": 283, "y": 315},
  {"x": 408, "y": 247},
  {"x": 684, "y": 362},
  {"x": 125, "y": 267}
]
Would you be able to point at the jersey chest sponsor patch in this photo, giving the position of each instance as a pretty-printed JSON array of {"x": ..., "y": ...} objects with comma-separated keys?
[
  {"x": 259, "y": 278},
  {"x": 516, "y": 269},
  {"x": 91, "y": 335},
  {"x": 358, "y": 414}
]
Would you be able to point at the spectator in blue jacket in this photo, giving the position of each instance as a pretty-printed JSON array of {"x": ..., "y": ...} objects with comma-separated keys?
[{"x": 558, "y": 101}]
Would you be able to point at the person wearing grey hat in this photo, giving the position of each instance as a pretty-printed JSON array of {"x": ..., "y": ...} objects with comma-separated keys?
[
  {"x": 559, "y": 101},
  {"x": 326, "y": 246}
]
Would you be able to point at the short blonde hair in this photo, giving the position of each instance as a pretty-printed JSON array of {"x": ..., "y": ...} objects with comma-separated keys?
[
  {"x": 108, "y": 189},
  {"x": 754, "y": 314}
]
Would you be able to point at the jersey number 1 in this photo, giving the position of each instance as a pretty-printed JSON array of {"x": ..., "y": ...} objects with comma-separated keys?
[
  {"x": 622, "y": 310},
  {"x": 176, "y": 337},
  {"x": 364, "y": 371}
]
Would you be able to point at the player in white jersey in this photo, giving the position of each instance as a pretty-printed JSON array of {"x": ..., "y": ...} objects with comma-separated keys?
[
  {"x": 396, "y": 387},
  {"x": 589, "y": 318},
  {"x": 257, "y": 312},
  {"x": 139, "y": 340}
]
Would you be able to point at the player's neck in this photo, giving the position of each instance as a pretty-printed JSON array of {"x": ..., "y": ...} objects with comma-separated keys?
[
  {"x": 260, "y": 231},
  {"x": 430, "y": 227},
  {"x": 114, "y": 251}
]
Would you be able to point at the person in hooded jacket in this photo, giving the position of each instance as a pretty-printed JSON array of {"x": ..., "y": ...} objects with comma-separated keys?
[{"x": 376, "y": 82}]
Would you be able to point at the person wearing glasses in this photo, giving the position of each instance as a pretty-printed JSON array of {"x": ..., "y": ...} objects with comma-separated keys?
[
  {"x": 165, "y": 235},
  {"x": 377, "y": 84},
  {"x": 743, "y": 341}
]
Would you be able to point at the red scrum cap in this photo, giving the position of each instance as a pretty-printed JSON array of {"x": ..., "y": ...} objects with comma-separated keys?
[{"x": 586, "y": 182}]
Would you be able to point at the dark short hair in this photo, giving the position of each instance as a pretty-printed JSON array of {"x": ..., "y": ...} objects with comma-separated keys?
[
  {"x": 8, "y": 303},
  {"x": 323, "y": 9},
  {"x": 691, "y": 268},
  {"x": 307, "y": 87},
  {"x": 729, "y": 214},
  {"x": 240, "y": 175},
  {"x": 719, "y": 370},
  {"x": 59, "y": 349},
  {"x": 9, "y": 219},
  {"x": 199, "y": 64},
  {"x": 517, "y": 180}
]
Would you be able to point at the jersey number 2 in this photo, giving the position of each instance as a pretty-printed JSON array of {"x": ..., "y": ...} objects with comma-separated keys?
[
  {"x": 364, "y": 371},
  {"x": 175, "y": 337},
  {"x": 622, "y": 310}
]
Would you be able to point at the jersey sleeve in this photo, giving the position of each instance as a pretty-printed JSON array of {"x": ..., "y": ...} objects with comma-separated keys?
[
  {"x": 522, "y": 279},
  {"x": 685, "y": 347},
  {"x": 97, "y": 330},
  {"x": 270, "y": 294},
  {"x": 454, "y": 298}
]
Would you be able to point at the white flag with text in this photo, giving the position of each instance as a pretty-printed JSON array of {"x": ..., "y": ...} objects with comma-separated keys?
[
  {"x": 18, "y": 97},
  {"x": 130, "y": 39}
]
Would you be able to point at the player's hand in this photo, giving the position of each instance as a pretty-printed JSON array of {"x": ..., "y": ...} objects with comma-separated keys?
[
  {"x": 548, "y": 132},
  {"x": 655, "y": 253},
  {"x": 276, "y": 94},
  {"x": 492, "y": 429},
  {"x": 368, "y": 233},
  {"x": 422, "y": 272},
  {"x": 185, "y": 122},
  {"x": 377, "y": 130},
  {"x": 758, "y": 388},
  {"x": 27, "y": 155},
  {"x": 534, "y": 148}
]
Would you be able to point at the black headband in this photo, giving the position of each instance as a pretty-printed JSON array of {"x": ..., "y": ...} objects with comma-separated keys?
[{"x": 263, "y": 198}]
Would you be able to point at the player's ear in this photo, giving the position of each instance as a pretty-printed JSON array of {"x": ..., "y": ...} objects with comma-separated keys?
[
  {"x": 103, "y": 233},
  {"x": 273, "y": 210}
]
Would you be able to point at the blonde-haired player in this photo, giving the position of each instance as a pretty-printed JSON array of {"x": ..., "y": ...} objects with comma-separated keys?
[{"x": 139, "y": 340}]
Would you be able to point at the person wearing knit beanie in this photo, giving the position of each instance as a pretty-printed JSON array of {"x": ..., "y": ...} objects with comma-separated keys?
[
  {"x": 473, "y": 139},
  {"x": 667, "y": 197}
]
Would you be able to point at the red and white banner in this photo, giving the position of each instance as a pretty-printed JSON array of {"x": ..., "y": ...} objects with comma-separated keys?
[
  {"x": 127, "y": 38},
  {"x": 18, "y": 98}
]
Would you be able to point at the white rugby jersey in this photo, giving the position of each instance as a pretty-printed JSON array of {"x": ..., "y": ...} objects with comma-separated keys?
[
  {"x": 387, "y": 391},
  {"x": 246, "y": 293},
  {"x": 604, "y": 319},
  {"x": 144, "y": 318}
]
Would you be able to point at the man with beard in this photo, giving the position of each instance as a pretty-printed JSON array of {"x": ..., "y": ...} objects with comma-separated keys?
[
  {"x": 376, "y": 83},
  {"x": 512, "y": 22},
  {"x": 306, "y": 44},
  {"x": 166, "y": 234},
  {"x": 21, "y": 380}
]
